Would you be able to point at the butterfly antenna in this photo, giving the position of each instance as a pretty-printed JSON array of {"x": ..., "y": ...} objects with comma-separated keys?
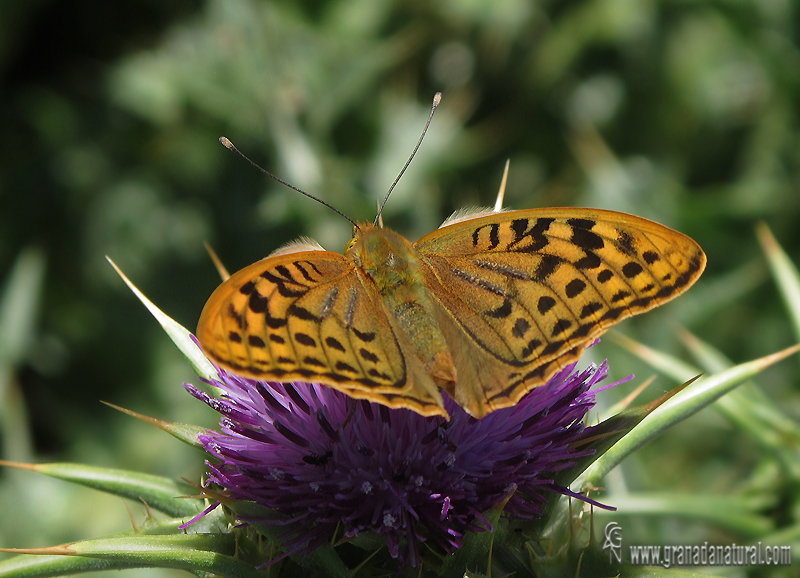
[
  {"x": 229, "y": 145},
  {"x": 437, "y": 98}
]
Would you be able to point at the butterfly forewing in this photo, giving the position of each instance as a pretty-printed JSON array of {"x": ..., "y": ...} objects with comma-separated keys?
[
  {"x": 299, "y": 316},
  {"x": 545, "y": 282}
]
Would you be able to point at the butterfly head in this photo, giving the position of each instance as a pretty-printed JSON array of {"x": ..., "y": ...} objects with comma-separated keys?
[{"x": 378, "y": 250}]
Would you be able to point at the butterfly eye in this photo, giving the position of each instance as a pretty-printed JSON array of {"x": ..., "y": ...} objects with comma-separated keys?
[{"x": 350, "y": 244}]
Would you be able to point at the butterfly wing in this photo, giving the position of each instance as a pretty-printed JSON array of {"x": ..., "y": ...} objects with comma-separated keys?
[
  {"x": 530, "y": 289},
  {"x": 307, "y": 316}
]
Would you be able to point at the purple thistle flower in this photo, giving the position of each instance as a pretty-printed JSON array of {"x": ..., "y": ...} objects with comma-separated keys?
[{"x": 321, "y": 458}]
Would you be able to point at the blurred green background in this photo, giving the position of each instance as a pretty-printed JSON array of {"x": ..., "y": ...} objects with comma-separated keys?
[{"x": 682, "y": 112}]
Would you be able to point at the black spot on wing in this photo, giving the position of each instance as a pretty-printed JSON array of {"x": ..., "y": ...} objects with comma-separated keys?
[
  {"x": 586, "y": 239},
  {"x": 530, "y": 348},
  {"x": 604, "y": 275},
  {"x": 561, "y": 326},
  {"x": 375, "y": 373},
  {"x": 368, "y": 355},
  {"x": 520, "y": 328},
  {"x": 552, "y": 347},
  {"x": 334, "y": 343},
  {"x": 342, "y": 366},
  {"x": 547, "y": 266},
  {"x": 238, "y": 319},
  {"x": 591, "y": 308},
  {"x": 650, "y": 257},
  {"x": 590, "y": 261},
  {"x": 302, "y": 313},
  {"x": 581, "y": 223},
  {"x": 314, "y": 361},
  {"x": 256, "y": 341},
  {"x": 620, "y": 295},
  {"x": 257, "y": 302},
  {"x": 305, "y": 339},
  {"x": 545, "y": 304},
  {"x": 365, "y": 336},
  {"x": 501, "y": 312},
  {"x": 575, "y": 288},
  {"x": 235, "y": 337},
  {"x": 626, "y": 243},
  {"x": 631, "y": 269}
]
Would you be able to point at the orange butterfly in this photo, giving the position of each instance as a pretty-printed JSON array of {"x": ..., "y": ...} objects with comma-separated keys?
[{"x": 487, "y": 307}]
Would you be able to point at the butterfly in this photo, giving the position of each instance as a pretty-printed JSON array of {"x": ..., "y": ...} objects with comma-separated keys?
[{"x": 487, "y": 307}]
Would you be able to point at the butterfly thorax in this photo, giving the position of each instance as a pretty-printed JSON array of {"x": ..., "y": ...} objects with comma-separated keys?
[{"x": 389, "y": 262}]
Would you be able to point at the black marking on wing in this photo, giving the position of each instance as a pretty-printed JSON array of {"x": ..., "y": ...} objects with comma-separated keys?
[
  {"x": 334, "y": 343},
  {"x": 509, "y": 272},
  {"x": 590, "y": 261},
  {"x": 521, "y": 326},
  {"x": 238, "y": 318},
  {"x": 547, "y": 266},
  {"x": 305, "y": 339},
  {"x": 494, "y": 237},
  {"x": 501, "y": 312},
  {"x": 256, "y": 341},
  {"x": 626, "y": 244},
  {"x": 365, "y": 336},
  {"x": 650, "y": 257},
  {"x": 302, "y": 313},
  {"x": 546, "y": 303},
  {"x": 575, "y": 288},
  {"x": 584, "y": 238},
  {"x": 536, "y": 235},
  {"x": 632, "y": 269}
]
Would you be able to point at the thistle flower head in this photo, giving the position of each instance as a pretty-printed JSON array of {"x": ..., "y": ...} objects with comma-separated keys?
[{"x": 324, "y": 460}]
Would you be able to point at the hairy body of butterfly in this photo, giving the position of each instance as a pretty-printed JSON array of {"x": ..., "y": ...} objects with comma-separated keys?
[{"x": 487, "y": 307}]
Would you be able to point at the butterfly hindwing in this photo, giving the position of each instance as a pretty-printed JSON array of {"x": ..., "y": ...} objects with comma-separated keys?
[{"x": 532, "y": 288}]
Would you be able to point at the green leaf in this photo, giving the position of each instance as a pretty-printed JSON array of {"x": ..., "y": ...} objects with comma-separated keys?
[
  {"x": 785, "y": 273},
  {"x": 187, "y": 433},
  {"x": 212, "y": 553},
  {"x": 180, "y": 336},
  {"x": 18, "y": 307},
  {"x": 747, "y": 406},
  {"x": 27, "y": 566},
  {"x": 159, "y": 493},
  {"x": 751, "y": 410},
  {"x": 687, "y": 403},
  {"x": 18, "y": 312},
  {"x": 739, "y": 514}
]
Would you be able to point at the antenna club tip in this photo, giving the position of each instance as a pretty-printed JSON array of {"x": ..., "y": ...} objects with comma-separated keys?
[
  {"x": 437, "y": 98},
  {"x": 226, "y": 143}
]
